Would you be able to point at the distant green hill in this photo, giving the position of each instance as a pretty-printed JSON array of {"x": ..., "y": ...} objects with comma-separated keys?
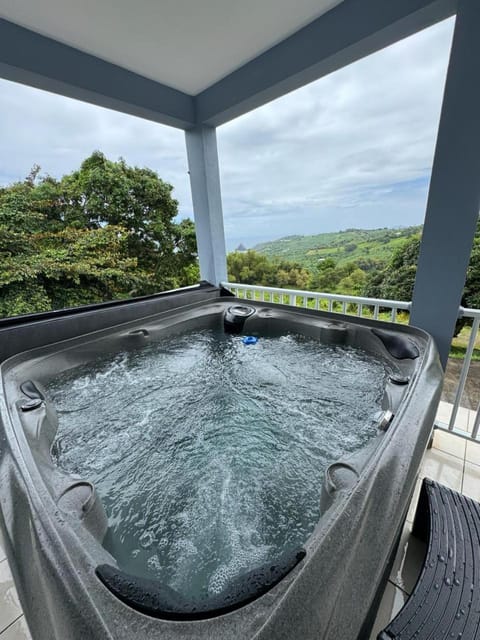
[{"x": 343, "y": 246}]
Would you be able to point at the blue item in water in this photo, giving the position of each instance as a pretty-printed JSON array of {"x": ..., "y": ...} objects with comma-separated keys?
[{"x": 249, "y": 340}]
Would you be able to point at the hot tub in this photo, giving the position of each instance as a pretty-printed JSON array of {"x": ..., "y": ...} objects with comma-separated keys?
[{"x": 94, "y": 557}]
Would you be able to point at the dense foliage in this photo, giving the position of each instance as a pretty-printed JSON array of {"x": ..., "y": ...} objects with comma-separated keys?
[
  {"x": 330, "y": 277},
  {"x": 392, "y": 278},
  {"x": 471, "y": 291},
  {"x": 103, "y": 232},
  {"x": 351, "y": 245},
  {"x": 397, "y": 278},
  {"x": 251, "y": 267},
  {"x": 109, "y": 231}
]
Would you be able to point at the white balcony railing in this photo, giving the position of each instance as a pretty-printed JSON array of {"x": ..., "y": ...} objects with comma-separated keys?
[
  {"x": 333, "y": 302},
  {"x": 453, "y": 417},
  {"x": 470, "y": 423}
]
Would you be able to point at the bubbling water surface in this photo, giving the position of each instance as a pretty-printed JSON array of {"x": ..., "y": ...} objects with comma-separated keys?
[{"x": 209, "y": 454}]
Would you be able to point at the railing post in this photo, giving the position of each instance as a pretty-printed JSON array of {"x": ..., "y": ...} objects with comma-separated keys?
[
  {"x": 207, "y": 202},
  {"x": 454, "y": 196},
  {"x": 302, "y": 298},
  {"x": 464, "y": 373}
]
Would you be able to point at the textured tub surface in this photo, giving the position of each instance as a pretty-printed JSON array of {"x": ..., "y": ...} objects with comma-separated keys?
[
  {"x": 55, "y": 537},
  {"x": 208, "y": 454}
]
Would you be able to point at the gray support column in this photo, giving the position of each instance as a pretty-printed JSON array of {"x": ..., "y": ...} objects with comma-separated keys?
[
  {"x": 454, "y": 197},
  {"x": 207, "y": 202}
]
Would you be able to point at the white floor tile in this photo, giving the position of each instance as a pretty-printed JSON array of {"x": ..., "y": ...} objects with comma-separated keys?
[
  {"x": 3, "y": 555},
  {"x": 392, "y": 601},
  {"x": 472, "y": 414},
  {"x": 408, "y": 563},
  {"x": 471, "y": 481},
  {"x": 413, "y": 504},
  {"x": 449, "y": 443},
  {"x": 444, "y": 411},
  {"x": 10, "y": 608},
  {"x": 454, "y": 463},
  {"x": 444, "y": 468},
  {"x": 17, "y": 631},
  {"x": 463, "y": 420},
  {"x": 473, "y": 452}
]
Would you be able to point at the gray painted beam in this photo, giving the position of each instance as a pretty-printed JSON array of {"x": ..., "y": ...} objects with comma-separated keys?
[
  {"x": 350, "y": 31},
  {"x": 29, "y": 58},
  {"x": 454, "y": 196},
  {"x": 207, "y": 202}
]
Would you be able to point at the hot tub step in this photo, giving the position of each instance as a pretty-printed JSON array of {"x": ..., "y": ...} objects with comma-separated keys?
[{"x": 444, "y": 603}]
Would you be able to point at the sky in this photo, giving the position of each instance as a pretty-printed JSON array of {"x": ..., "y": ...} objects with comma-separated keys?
[{"x": 353, "y": 149}]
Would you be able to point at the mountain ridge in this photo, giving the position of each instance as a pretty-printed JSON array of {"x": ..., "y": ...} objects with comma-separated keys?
[{"x": 348, "y": 245}]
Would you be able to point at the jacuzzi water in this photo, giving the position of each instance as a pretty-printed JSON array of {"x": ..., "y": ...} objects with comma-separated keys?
[{"x": 209, "y": 454}]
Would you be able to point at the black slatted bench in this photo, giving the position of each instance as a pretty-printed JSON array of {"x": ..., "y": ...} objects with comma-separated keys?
[{"x": 445, "y": 603}]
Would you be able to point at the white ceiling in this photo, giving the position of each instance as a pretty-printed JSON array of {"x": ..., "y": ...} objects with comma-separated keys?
[{"x": 186, "y": 44}]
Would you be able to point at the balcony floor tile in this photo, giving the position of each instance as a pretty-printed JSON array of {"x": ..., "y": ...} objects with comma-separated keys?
[
  {"x": 471, "y": 481},
  {"x": 17, "y": 631},
  {"x": 449, "y": 443},
  {"x": 409, "y": 559},
  {"x": 444, "y": 468},
  {"x": 473, "y": 452},
  {"x": 10, "y": 608},
  {"x": 392, "y": 601}
]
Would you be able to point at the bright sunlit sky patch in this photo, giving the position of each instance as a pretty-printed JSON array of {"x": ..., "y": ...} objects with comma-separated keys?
[{"x": 353, "y": 149}]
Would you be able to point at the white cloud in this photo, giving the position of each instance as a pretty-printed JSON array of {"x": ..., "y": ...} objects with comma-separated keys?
[
  {"x": 353, "y": 149},
  {"x": 58, "y": 133}
]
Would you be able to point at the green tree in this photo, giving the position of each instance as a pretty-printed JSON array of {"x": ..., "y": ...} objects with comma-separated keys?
[
  {"x": 330, "y": 277},
  {"x": 103, "y": 192},
  {"x": 251, "y": 267},
  {"x": 103, "y": 232},
  {"x": 326, "y": 277},
  {"x": 471, "y": 291},
  {"x": 353, "y": 283},
  {"x": 396, "y": 281}
]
